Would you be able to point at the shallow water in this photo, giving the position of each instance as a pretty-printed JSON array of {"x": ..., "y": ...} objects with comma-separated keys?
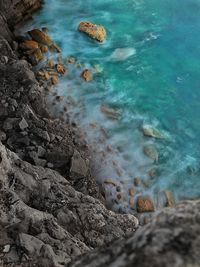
[{"x": 149, "y": 69}]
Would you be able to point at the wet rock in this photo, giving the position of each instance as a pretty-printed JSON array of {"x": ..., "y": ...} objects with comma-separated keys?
[
  {"x": 94, "y": 31},
  {"x": 151, "y": 152},
  {"x": 111, "y": 113},
  {"x": 36, "y": 56},
  {"x": 23, "y": 124},
  {"x": 44, "y": 48},
  {"x": 150, "y": 131},
  {"x": 87, "y": 75},
  {"x": 40, "y": 37},
  {"x": 29, "y": 45},
  {"x": 44, "y": 39},
  {"x": 54, "y": 79},
  {"x": 78, "y": 164},
  {"x": 145, "y": 204},
  {"x": 60, "y": 69}
]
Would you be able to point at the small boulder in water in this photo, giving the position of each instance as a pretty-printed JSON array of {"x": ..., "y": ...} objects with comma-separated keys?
[
  {"x": 94, "y": 31},
  {"x": 87, "y": 75},
  {"x": 60, "y": 68},
  {"x": 150, "y": 131},
  {"x": 145, "y": 204},
  {"x": 151, "y": 152}
]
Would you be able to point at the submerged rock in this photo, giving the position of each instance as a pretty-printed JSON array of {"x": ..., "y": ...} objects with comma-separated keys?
[
  {"x": 145, "y": 204},
  {"x": 121, "y": 54},
  {"x": 94, "y": 31},
  {"x": 111, "y": 113},
  {"x": 151, "y": 152}
]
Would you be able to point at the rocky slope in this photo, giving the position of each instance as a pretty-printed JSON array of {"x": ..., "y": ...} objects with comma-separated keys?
[{"x": 51, "y": 210}]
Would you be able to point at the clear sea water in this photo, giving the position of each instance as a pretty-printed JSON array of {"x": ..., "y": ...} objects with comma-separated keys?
[{"x": 158, "y": 83}]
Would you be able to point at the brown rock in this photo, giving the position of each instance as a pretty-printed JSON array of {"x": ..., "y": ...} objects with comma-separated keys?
[
  {"x": 36, "y": 56},
  {"x": 94, "y": 31},
  {"x": 40, "y": 37},
  {"x": 60, "y": 68},
  {"x": 145, "y": 204},
  {"x": 87, "y": 75},
  {"x": 54, "y": 79},
  {"x": 29, "y": 45},
  {"x": 44, "y": 48}
]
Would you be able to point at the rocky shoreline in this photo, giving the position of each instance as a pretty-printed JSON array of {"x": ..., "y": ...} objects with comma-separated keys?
[{"x": 51, "y": 209}]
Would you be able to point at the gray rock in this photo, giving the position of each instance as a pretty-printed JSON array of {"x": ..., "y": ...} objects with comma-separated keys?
[
  {"x": 23, "y": 124},
  {"x": 78, "y": 164},
  {"x": 170, "y": 239}
]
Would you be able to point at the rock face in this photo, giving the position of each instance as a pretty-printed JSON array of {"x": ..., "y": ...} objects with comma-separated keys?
[
  {"x": 171, "y": 239},
  {"x": 51, "y": 209},
  {"x": 94, "y": 31}
]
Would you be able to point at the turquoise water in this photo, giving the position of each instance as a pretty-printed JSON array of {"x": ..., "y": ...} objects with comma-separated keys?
[{"x": 157, "y": 84}]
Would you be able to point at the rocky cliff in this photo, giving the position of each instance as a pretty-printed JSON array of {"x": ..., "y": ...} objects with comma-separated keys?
[{"x": 51, "y": 209}]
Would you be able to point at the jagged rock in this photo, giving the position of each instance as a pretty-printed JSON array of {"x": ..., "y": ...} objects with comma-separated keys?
[
  {"x": 170, "y": 239},
  {"x": 94, "y": 31},
  {"x": 60, "y": 68},
  {"x": 45, "y": 211}
]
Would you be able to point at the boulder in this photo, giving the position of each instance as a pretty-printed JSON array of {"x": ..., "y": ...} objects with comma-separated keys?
[
  {"x": 40, "y": 37},
  {"x": 150, "y": 131},
  {"x": 29, "y": 45},
  {"x": 94, "y": 31},
  {"x": 145, "y": 204}
]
